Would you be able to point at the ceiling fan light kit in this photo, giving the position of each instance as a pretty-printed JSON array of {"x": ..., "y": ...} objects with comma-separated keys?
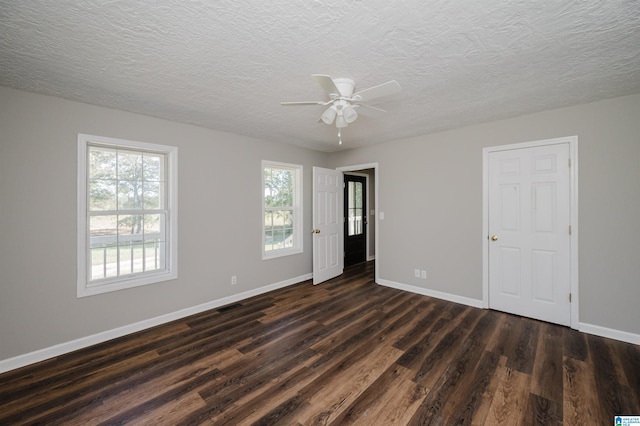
[
  {"x": 329, "y": 115},
  {"x": 344, "y": 104}
]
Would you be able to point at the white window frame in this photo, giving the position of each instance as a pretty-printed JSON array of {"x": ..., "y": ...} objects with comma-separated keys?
[
  {"x": 170, "y": 272},
  {"x": 297, "y": 211}
]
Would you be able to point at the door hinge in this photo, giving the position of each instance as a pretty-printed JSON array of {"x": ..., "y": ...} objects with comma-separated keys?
[
  {"x": 569, "y": 229},
  {"x": 569, "y": 297}
]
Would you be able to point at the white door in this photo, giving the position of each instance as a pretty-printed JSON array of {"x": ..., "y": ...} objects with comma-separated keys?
[
  {"x": 328, "y": 253},
  {"x": 529, "y": 234}
]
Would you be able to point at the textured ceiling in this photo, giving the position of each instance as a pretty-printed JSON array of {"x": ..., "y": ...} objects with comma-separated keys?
[{"x": 226, "y": 65}]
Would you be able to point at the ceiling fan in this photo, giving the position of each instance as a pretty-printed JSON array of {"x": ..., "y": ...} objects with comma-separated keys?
[{"x": 344, "y": 104}]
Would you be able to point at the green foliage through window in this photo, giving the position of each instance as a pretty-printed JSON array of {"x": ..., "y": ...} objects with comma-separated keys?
[
  {"x": 127, "y": 211},
  {"x": 279, "y": 207}
]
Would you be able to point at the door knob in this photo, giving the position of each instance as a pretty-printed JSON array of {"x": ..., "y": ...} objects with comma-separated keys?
[
  {"x": 494, "y": 238},
  {"x": 315, "y": 231}
]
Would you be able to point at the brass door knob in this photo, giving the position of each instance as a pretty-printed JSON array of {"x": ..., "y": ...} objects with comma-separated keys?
[
  {"x": 315, "y": 231},
  {"x": 494, "y": 238}
]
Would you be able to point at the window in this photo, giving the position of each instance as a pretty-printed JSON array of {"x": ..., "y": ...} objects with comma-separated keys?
[
  {"x": 282, "y": 209},
  {"x": 127, "y": 214}
]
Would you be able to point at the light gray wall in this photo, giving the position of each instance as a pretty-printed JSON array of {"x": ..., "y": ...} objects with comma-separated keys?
[
  {"x": 430, "y": 190},
  {"x": 219, "y": 220}
]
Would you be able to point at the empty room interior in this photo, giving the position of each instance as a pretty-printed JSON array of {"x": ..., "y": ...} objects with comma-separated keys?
[{"x": 320, "y": 212}]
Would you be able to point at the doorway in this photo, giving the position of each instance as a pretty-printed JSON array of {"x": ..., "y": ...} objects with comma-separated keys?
[
  {"x": 355, "y": 219},
  {"x": 371, "y": 170}
]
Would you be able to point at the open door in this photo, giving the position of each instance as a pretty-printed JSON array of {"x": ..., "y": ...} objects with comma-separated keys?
[{"x": 328, "y": 254}]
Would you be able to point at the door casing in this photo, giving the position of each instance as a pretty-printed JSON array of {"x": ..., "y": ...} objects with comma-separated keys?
[{"x": 573, "y": 155}]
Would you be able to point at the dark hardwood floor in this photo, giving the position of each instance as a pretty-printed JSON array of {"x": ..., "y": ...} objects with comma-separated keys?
[{"x": 344, "y": 352}]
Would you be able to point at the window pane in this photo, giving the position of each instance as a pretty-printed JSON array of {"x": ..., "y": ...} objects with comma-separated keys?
[
  {"x": 153, "y": 226},
  {"x": 130, "y": 195},
  {"x": 129, "y": 165},
  {"x": 124, "y": 256},
  {"x": 279, "y": 187},
  {"x": 152, "y": 165},
  {"x": 153, "y": 254},
  {"x": 103, "y": 233},
  {"x": 103, "y": 226},
  {"x": 137, "y": 251},
  {"x": 278, "y": 237},
  {"x": 103, "y": 261},
  {"x": 102, "y": 163},
  {"x": 288, "y": 237},
  {"x": 129, "y": 225},
  {"x": 102, "y": 195},
  {"x": 268, "y": 238},
  {"x": 268, "y": 219},
  {"x": 355, "y": 194},
  {"x": 152, "y": 195}
]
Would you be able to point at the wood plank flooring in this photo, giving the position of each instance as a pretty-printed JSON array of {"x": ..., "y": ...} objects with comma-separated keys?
[{"x": 344, "y": 352}]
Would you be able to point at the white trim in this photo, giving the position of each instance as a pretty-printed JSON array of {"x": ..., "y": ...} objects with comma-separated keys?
[
  {"x": 83, "y": 342},
  {"x": 376, "y": 179},
  {"x": 476, "y": 303},
  {"x": 573, "y": 155},
  {"x": 133, "y": 280},
  {"x": 610, "y": 333},
  {"x": 298, "y": 197}
]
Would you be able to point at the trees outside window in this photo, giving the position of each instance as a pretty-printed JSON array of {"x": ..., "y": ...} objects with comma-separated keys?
[{"x": 282, "y": 212}]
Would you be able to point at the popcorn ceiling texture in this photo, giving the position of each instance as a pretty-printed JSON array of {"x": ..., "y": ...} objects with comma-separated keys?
[{"x": 226, "y": 64}]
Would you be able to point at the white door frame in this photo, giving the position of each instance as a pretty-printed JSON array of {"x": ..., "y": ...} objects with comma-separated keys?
[
  {"x": 573, "y": 158},
  {"x": 376, "y": 228}
]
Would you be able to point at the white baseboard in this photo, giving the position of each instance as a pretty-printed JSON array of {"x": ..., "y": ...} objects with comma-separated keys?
[
  {"x": 433, "y": 293},
  {"x": 370, "y": 258},
  {"x": 610, "y": 333},
  {"x": 83, "y": 342}
]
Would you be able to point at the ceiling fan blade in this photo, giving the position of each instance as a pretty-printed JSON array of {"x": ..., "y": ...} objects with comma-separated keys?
[
  {"x": 370, "y": 111},
  {"x": 384, "y": 89},
  {"x": 303, "y": 103},
  {"x": 327, "y": 84}
]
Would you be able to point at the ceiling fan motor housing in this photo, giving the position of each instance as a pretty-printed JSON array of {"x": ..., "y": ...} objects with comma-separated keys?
[{"x": 346, "y": 86}]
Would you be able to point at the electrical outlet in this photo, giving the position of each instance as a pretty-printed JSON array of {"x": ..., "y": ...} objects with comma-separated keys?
[
  {"x": 423, "y": 275},
  {"x": 416, "y": 273},
  {"x": 234, "y": 281}
]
